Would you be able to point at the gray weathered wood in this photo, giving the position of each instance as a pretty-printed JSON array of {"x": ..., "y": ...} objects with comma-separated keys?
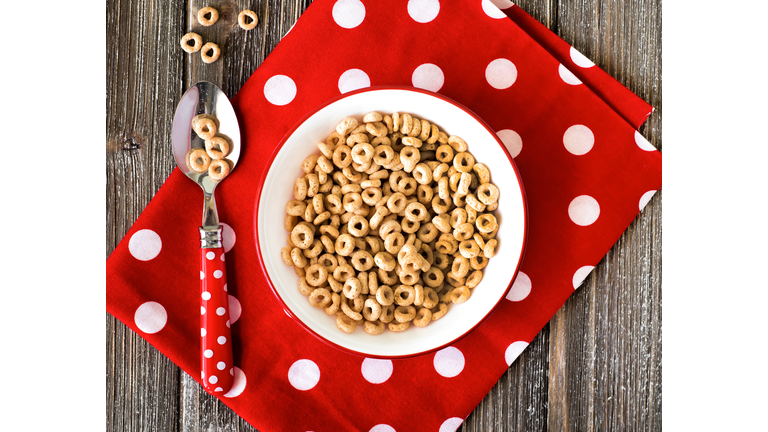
[{"x": 596, "y": 366}]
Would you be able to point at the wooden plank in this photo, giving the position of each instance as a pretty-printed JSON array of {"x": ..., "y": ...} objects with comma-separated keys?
[
  {"x": 142, "y": 91},
  {"x": 605, "y": 343}
]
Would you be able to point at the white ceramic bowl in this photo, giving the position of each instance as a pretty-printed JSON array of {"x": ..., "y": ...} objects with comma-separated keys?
[{"x": 277, "y": 189}]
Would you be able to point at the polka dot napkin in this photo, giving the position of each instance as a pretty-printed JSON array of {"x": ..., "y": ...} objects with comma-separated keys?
[{"x": 571, "y": 128}]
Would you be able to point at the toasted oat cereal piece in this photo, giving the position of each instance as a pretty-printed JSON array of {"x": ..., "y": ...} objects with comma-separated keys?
[
  {"x": 346, "y": 125},
  {"x": 345, "y": 323},
  {"x": 207, "y": 16},
  {"x": 374, "y": 327},
  {"x": 204, "y": 126},
  {"x": 198, "y": 160},
  {"x": 442, "y": 310},
  {"x": 217, "y": 147},
  {"x": 460, "y": 294},
  {"x": 210, "y": 52},
  {"x": 399, "y": 326},
  {"x": 247, "y": 20},
  {"x": 194, "y": 46},
  {"x": 218, "y": 169}
]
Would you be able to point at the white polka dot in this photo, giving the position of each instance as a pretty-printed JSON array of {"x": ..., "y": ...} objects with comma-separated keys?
[
  {"x": 643, "y": 143},
  {"x": 221, "y": 365},
  {"x": 238, "y": 384},
  {"x": 511, "y": 140},
  {"x": 503, "y": 4},
  {"x": 521, "y": 288},
  {"x": 280, "y": 90},
  {"x": 202, "y": 310},
  {"x": 645, "y": 198},
  {"x": 513, "y": 351},
  {"x": 218, "y": 274},
  {"x": 376, "y": 371},
  {"x": 218, "y": 389},
  {"x": 501, "y": 73},
  {"x": 213, "y": 379},
  {"x": 227, "y": 323},
  {"x": 584, "y": 210},
  {"x": 580, "y": 59},
  {"x": 203, "y": 332},
  {"x": 423, "y": 11},
  {"x": 382, "y": 428},
  {"x": 150, "y": 317},
  {"x": 221, "y": 340},
  {"x": 206, "y": 295},
  {"x": 208, "y": 353},
  {"x": 578, "y": 140},
  {"x": 234, "y": 309},
  {"x": 228, "y": 238},
  {"x": 449, "y": 362},
  {"x": 428, "y": 76},
  {"x": 353, "y": 79},
  {"x": 202, "y": 275},
  {"x": 304, "y": 374},
  {"x": 451, "y": 424},
  {"x": 568, "y": 76},
  {"x": 491, "y": 10},
  {"x": 348, "y": 13},
  {"x": 225, "y": 287},
  {"x": 220, "y": 311},
  {"x": 145, "y": 244},
  {"x": 210, "y": 256},
  {"x": 580, "y": 275}
]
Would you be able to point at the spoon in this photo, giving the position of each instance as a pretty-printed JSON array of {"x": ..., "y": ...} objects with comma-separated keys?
[{"x": 216, "y": 344}]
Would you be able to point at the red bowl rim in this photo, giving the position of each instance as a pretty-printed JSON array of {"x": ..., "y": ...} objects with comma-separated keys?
[{"x": 262, "y": 180}]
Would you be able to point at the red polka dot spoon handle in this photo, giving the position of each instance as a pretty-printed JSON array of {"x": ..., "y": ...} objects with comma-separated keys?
[{"x": 216, "y": 337}]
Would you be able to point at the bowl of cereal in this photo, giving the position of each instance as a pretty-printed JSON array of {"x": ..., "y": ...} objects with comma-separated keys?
[{"x": 391, "y": 222}]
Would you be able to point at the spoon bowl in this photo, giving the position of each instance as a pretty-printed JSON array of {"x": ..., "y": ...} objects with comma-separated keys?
[{"x": 216, "y": 345}]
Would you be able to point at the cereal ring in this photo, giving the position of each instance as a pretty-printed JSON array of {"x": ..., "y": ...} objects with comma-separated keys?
[
  {"x": 218, "y": 169},
  {"x": 409, "y": 226},
  {"x": 458, "y": 217},
  {"x": 194, "y": 46},
  {"x": 442, "y": 138},
  {"x": 304, "y": 287},
  {"x": 443, "y": 309},
  {"x": 362, "y": 260},
  {"x": 474, "y": 203},
  {"x": 479, "y": 240},
  {"x": 247, "y": 19},
  {"x": 404, "y": 313},
  {"x": 409, "y": 156},
  {"x": 204, "y": 127},
  {"x": 210, "y": 52},
  {"x": 416, "y": 129},
  {"x": 457, "y": 143},
  {"x": 460, "y": 294},
  {"x": 396, "y": 203},
  {"x": 416, "y": 212},
  {"x": 394, "y": 242},
  {"x": 454, "y": 280},
  {"x": 478, "y": 262},
  {"x": 362, "y": 153},
  {"x": 377, "y": 129},
  {"x": 423, "y": 317},
  {"x": 460, "y": 266},
  {"x": 407, "y": 278},
  {"x": 217, "y": 147},
  {"x": 399, "y": 327},
  {"x": 299, "y": 260},
  {"x": 474, "y": 278},
  {"x": 328, "y": 261},
  {"x": 315, "y": 250},
  {"x": 345, "y": 244},
  {"x": 486, "y": 223},
  {"x": 207, "y": 16},
  {"x": 345, "y": 323},
  {"x": 444, "y": 153},
  {"x": 465, "y": 179},
  {"x": 333, "y": 140},
  {"x": 198, "y": 160},
  {"x": 295, "y": 207},
  {"x": 371, "y": 195},
  {"x": 336, "y": 286},
  {"x": 459, "y": 200},
  {"x": 407, "y": 186},
  {"x": 316, "y": 275},
  {"x": 320, "y": 298},
  {"x": 482, "y": 173},
  {"x": 487, "y": 193},
  {"x": 411, "y": 142},
  {"x": 440, "y": 205},
  {"x": 352, "y": 201},
  {"x": 290, "y": 222},
  {"x": 285, "y": 254},
  {"x": 342, "y": 156},
  {"x": 463, "y": 162},
  {"x": 422, "y": 174},
  {"x": 442, "y": 223},
  {"x": 407, "y": 124},
  {"x": 352, "y": 287},
  {"x": 357, "y": 138},
  {"x": 373, "y": 327},
  {"x": 441, "y": 261},
  {"x": 424, "y": 194},
  {"x": 385, "y": 261},
  {"x": 313, "y": 185},
  {"x": 430, "y": 298},
  {"x": 346, "y": 125},
  {"x": 491, "y": 207},
  {"x": 371, "y": 310},
  {"x": 384, "y": 155},
  {"x": 300, "y": 189},
  {"x": 385, "y": 296},
  {"x": 335, "y": 304},
  {"x": 469, "y": 249},
  {"x": 463, "y": 231},
  {"x": 358, "y": 226},
  {"x": 471, "y": 215},
  {"x": 490, "y": 248}
]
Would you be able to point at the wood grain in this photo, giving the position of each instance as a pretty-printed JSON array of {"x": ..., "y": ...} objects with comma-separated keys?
[{"x": 596, "y": 366}]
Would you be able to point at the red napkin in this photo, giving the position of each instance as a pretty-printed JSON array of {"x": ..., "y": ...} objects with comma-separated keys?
[{"x": 586, "y": 171}]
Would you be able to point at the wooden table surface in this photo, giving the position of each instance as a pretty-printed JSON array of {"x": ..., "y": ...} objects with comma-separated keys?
[{"x": 595, "y": 366}]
